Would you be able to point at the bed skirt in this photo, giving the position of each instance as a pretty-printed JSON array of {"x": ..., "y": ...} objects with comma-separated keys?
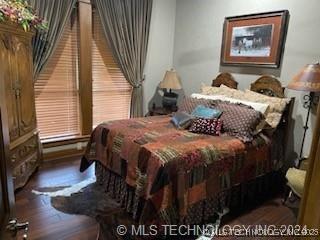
[{"x": 236, "y": 198}]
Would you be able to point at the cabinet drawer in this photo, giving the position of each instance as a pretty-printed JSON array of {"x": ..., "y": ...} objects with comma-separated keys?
[
  {"x": 24, "y": 150},
  {"x": 24, "y": 170}
]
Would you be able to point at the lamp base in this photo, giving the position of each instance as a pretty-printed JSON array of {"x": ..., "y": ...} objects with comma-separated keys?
[{"x": 169, "y": 100}]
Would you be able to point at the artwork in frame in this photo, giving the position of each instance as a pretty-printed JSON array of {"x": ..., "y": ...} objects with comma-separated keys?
[{"x": 255, "y": 40}]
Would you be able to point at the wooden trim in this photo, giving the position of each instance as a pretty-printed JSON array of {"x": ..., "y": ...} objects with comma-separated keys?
[
  {"x": 85, "y": 66},
  {"x": 16, "y": 29},
  {"x": 57, "y": 143},
  {"x": 5, "y": 166},
  {"x": 268, "y": 85},
  {"x": 245, "y": 61},
  {"x": 308, "y": 214},
  {"x": 53, "y": 156},
  {"x": 23, "y": 139},
  {"x": 6, "y": 178},
  {"x": 225, "y": 79}
]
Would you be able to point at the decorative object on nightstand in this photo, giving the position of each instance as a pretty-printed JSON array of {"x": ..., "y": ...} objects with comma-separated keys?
[
  {"x": 308, "y": 79},
  {"x": 170, "y": 81}
]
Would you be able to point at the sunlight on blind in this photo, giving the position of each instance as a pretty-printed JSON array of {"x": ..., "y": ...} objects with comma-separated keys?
[
  {"x": 111, "y": 91},
  {"x": 57, "y": 99}
]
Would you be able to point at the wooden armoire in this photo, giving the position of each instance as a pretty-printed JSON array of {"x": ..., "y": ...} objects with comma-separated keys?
[{"x": 16, "y": 74}]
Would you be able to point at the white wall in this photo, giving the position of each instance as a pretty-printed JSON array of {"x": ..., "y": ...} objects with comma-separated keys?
[
  {"x": 198, "y": 35},
  {"x": 160, "y": 48}
]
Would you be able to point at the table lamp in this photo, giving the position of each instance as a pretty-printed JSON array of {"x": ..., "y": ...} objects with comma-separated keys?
[
  {"x": 308, "y": 79},
  {"x": 170, "y": 81}
]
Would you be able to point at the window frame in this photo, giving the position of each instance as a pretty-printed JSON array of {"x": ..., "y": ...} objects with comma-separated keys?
[
  {"x": 70, "y": 43},
  {"x": 84, "y": 16}
]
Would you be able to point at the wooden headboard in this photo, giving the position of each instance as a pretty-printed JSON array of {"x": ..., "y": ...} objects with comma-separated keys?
[
  {"x": 268, "y": 85},
  {"x": 271, "y": 86},
  {"x": 226, "y": 79}
]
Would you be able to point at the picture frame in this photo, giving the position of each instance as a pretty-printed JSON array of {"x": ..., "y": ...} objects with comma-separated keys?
[{"x": 254, "y": 40}]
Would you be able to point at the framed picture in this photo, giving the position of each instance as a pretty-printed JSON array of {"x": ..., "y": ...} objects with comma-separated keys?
[{"x": 254, "y": 40}]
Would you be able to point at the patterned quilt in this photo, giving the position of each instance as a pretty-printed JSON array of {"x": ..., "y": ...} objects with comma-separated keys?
[{"x": 167, "y": 166}]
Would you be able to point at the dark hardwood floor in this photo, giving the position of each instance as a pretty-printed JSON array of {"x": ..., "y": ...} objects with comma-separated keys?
[
  {"x": 44, "y": 221},
  {"x": 49, "y": 224}
]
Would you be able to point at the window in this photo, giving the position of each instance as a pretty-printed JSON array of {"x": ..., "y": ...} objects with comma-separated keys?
[
  {"x": 110, "y": 90},
  {"x": 56, "y": 90}
]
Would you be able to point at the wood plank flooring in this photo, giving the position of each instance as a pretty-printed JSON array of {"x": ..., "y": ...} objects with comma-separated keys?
[
  {"x": 49, "y": 224},
  {"x": 44, "y": 221}
]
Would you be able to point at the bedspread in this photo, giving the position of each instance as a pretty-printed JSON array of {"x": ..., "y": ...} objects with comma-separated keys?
[{"x": 170, "y": 168}]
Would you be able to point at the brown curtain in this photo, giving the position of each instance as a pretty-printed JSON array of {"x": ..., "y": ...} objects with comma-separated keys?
[
  {"x": 56, "y": 13},
  {"x": 126, "y": 25}
]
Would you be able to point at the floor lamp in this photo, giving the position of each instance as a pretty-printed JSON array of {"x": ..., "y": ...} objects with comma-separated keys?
[
  {"x": 308, "y": 79},
  {"x": 308, "y": 210}
]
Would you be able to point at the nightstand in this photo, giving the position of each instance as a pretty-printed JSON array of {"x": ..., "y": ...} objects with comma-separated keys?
[{"x": 155, "y": 111}]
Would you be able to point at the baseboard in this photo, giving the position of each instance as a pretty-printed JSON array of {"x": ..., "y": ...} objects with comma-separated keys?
[{"x": 66, "y": 153}]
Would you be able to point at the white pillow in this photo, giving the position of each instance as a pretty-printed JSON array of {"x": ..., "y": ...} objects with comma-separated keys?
[
  {"x": 209, "y": 97},
  {"x": 260, "y": 107}
]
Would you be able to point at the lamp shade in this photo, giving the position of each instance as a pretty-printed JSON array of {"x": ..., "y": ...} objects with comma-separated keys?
[
  {"x": 171, "y": 80},
  {"x": 308, "y": 79}
]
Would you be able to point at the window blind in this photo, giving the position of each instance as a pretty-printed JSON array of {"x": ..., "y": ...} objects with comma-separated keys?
[
  {"x": 111, "y": 92},
  {"x": 56, "y": 90}
]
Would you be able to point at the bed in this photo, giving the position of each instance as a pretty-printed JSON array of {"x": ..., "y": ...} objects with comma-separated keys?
[{"x": 163, "y": 175}]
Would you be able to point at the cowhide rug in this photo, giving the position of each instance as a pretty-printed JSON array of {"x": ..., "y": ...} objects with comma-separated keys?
[{"x": 94, "y": 202}]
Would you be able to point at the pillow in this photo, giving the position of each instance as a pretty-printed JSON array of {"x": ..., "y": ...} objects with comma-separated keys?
[
  {"x": 238, "y": 120},
  {"x": 207, "y": 126},
  {"x": 222, "y": 90},
  {"x": 205, "y": 112},
  {"x": 276, "y": 106},
  {"x": 188, "y": 104},
  {"x": 231, "y": 92},
  {"x": 261, "y": 107},
  {"x": 208, "y": 97},
  {"x": 209, "y": 90},
  {"x": 181, "y": 120}
]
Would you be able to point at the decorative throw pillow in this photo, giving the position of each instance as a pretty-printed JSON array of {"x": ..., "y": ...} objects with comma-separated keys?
[
  {"x": 209, "y": 90},
  {"x": 188, "y": 104},
  {"x": 238, "y": 120},
  {"x": 222, "y": 90},
  {"x": 205, "y": 112},
  {"x": 207, "y": 126},
  {"x": 181, "y": 120},
  {"x": 231, "y": 92},
  {"x": 276, "y": 106},
  {"x": 261, "y": 107},
  {"x": 209, "y": 97}
]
